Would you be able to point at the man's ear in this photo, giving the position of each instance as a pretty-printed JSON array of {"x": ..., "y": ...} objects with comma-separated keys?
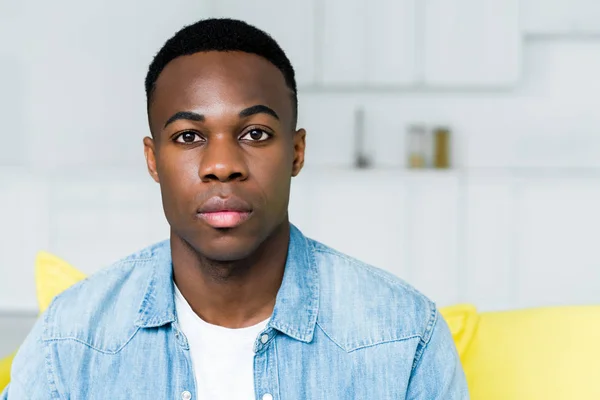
[
  {"x": 299, "y": 149},
  {"x": 150, "y": 154}
]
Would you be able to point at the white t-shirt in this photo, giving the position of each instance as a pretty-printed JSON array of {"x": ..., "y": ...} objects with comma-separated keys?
[{"x": 223, "y": 358}]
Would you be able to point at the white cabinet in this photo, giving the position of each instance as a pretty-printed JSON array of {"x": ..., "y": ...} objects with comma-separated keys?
[
  {"x": 438, "y": 43},
  {"x": 561, "y": 16},
  {"x": 433, "y": 236},
  {"x": 471, "y": 42},
  {"x": 368, "y": 43},
  {"x": 557, "y": 254},
  {"x": 342, "y": 42},
  {"x": 362, "y": 214},
  {"x": 290, "y": 23},
  {"x": 489, "y": 225},
  {"x": 391, "y": 42}
]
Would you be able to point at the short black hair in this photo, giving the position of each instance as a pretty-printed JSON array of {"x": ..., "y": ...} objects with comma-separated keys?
[{"x": 222, "y": 34}]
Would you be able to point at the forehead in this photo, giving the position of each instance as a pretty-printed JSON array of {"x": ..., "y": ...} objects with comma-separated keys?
[{"x": 219, "y": 81}]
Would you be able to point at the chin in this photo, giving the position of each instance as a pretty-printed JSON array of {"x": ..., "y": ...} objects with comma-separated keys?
[
  {"x": 226, "y": 245},
  {"x": 227, "y": 249}
]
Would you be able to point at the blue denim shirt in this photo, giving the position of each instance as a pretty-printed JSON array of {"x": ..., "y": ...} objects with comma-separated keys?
[{"x": 340, "y": 329}]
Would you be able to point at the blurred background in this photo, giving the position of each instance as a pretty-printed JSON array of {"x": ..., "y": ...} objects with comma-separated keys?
[{"x": 455, "y": 143}]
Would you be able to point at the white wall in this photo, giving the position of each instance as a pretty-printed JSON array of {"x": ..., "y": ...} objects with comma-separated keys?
[{"x": 514, "y": 225}]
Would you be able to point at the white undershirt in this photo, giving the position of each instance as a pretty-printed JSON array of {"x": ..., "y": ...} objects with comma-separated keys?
[{"x": 223, "y": 358}]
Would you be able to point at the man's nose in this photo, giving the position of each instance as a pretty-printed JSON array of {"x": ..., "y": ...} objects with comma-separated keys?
[{"x": 223, "y": 160}]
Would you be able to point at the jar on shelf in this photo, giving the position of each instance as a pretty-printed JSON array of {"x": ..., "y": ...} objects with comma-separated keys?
[
  {"x": 441, "y": 152},
  {"x": 417, "y": 146}
]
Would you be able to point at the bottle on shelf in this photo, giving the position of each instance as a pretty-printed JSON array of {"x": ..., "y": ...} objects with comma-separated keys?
[
  {"x": 441, "y": 152},
  {"x": 361, "y": 158},
  {"x": 417, "y": 146}
]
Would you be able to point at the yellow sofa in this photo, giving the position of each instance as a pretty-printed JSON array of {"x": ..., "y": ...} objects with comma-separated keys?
[
  {"x": 550, "y": 353},
  {"x": 545, "y": 353}
]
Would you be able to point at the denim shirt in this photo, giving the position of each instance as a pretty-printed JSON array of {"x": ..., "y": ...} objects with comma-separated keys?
[{"x": 340, "y": 329}]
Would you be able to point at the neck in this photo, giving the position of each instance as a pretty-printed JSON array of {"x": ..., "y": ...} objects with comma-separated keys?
[{"x": 233, "y": 294}]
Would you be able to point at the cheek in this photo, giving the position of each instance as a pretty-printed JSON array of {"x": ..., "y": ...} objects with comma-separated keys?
[
  {"x": 178, "y": 167},
  {"x": 272, "y": 174},
  {"x": 178, "y": 175}
]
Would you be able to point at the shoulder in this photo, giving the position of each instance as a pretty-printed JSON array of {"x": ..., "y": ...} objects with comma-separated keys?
[
  {"x": 102, "y": 308},
  {"x": 362, "y": 305}
]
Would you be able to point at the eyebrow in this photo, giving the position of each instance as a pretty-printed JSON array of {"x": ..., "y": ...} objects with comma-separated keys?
[
  {"x": 247, "y": 112},
  {"x": 258, "y": 109},
  {"x": 189, "y": 115}
]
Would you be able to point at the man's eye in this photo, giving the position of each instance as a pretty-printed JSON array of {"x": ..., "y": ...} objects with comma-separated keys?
[
  {"x": 188, "y": 137},
  {"x": 255, "y": 135}
]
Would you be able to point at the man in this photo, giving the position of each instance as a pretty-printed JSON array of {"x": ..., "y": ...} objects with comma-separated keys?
[{"x": 238, "y": 304}]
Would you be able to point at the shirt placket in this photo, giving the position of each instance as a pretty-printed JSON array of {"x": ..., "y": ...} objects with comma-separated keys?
[
  {"x": 266, "y": 376},
  {"x": 184, "y": 371}
]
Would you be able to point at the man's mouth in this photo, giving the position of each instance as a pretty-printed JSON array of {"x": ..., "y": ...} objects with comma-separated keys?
[
  {"x": 224, "y": 219},
  {"x": 227, "y": 212}
]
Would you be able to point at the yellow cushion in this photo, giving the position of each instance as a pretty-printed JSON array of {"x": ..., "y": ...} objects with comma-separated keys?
[
  {"x": 544, "y": 353},
  {"x": 52, "y": 276},
  {"x": 5, "y": 371}
]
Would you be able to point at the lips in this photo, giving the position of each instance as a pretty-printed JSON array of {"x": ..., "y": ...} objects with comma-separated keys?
[{"x": 227, "y": 212}]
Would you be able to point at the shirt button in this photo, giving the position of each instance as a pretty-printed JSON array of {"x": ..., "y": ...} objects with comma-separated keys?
[
  {"x": 267, "y": 396},
  {"x": 264, "y": 339},
  {"x": 186, "y": 395}
]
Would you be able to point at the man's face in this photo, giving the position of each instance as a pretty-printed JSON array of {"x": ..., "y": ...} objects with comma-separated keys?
[{"x": 224, "y": 150}]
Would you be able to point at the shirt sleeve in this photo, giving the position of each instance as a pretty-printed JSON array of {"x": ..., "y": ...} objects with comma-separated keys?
[
  {"x": 438, "y": 373},
  {"x": 29, "y": 378}
]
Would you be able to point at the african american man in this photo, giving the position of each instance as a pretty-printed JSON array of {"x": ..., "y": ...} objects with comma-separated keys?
[{"x": 238, "y": 303}]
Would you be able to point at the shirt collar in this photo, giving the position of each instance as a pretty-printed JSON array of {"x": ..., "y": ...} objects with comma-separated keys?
[
  {"x": 296, "y": 305},
  {"x": 157, "y": 307}
]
